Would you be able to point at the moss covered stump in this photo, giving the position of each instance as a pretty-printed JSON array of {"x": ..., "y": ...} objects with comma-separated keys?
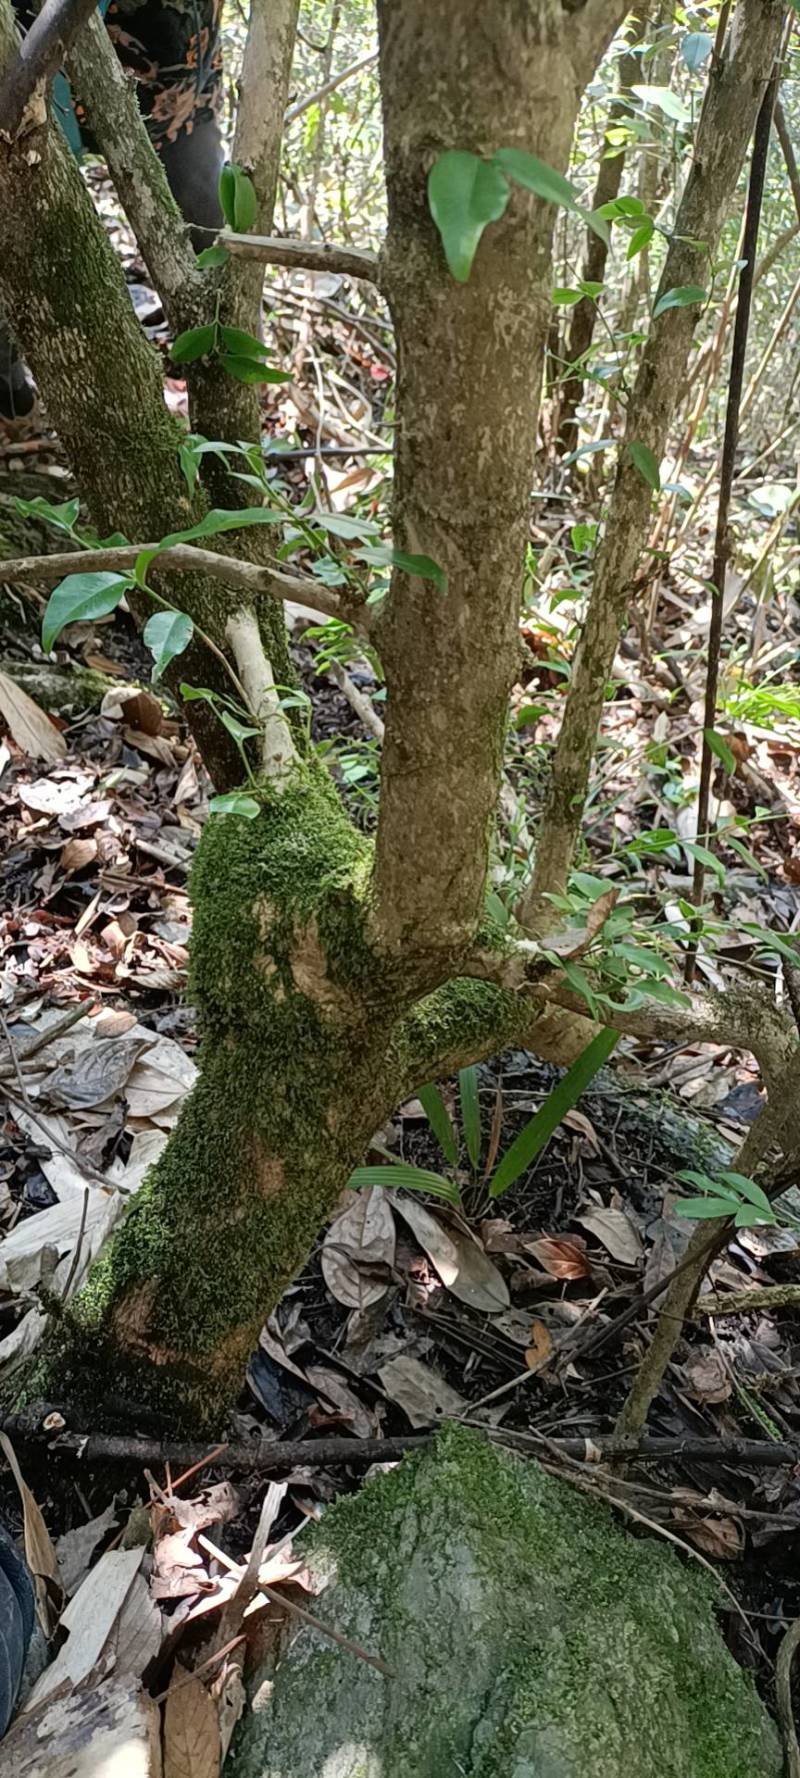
[{"x": 528, "y": 1636}]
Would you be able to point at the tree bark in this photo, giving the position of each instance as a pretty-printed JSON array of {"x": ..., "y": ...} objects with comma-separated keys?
[
  {"x": 469, "y": 378},
  {"x": 736, "y": 88}
]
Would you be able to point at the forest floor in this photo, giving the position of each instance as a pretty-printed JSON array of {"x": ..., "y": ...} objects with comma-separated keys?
[{"x": 408, "y": 1311}]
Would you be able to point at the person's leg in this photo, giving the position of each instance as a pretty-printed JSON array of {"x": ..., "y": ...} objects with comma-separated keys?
[
  {"x": 193, "y": 164},
  {"x": 16, "y": 395}
]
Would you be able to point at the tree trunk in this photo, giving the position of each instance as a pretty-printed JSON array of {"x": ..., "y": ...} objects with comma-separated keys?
[{"x": 734, "y": 95}]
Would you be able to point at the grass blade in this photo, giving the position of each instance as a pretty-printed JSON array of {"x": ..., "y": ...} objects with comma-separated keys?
[
  {"x": 470, "y": 1113},
  {"x": 541, "y": 1127},
  {"x": 399, "y": 1176},
  {"x": 438, "y": 1117}
]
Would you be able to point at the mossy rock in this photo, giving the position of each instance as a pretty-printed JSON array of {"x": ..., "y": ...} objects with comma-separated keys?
[{"x": 528, "y": 1634}]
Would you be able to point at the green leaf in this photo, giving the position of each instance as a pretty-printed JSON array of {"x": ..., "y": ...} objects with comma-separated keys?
[
  {"x": 342, "y": 524},
  {"x": 720, "y": 750},
  {"x": 641, "y": 237},
  {"x": 663, "y": 98},
  {"x": 539, "y": 1130},
  {"x": 565, "y": 296},
  {"x": 398, "y": 1175},
  {"x": 696, "y": 49},
  {"x": 538, "y": 177},
  {"x": 470, "y": 1112},
  {"x": 244, "y": 345},
  {"x": 227, "y": 194},
  {"x": 438, "y": 1117},
  {"x": 218, "y": 520},
  {"x": 683, "y": 296},
  {"x": 194, "y": 343},
  {"x": 212, "y": 256},
  {"x": 78, "y": 599},
  {"x": 235, "y": 802},
  {"x": 646, "y": 463},
  {"x": 252, "y": 370},
  {"x": 704, "y": 1208},
  {"x": 241, "y": 731},
  {"x": 423, "y": 567},
  {"x": 167, "y": 634},
  {"x": 62, "y": 517},
  {"x": 596, "y": 223},
  {"x": 747, "y": 1188},
  {"x": 245, "y": 202},
  {"x": 704, "y": 856},
  {"x": 588, "y": 450},
  {"x": 464, "y": 194}
]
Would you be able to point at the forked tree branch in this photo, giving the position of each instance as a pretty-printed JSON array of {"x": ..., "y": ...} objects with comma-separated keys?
[
  {"x": 187, "y": 558},
  {"x": 278, "y": 751}
]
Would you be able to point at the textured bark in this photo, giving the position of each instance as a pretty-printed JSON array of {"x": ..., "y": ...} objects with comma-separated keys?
[
  {"x": 736, "y": 88},
  {"x": 221, "y": 407},
  {"x": 469, "y": 378},
  {"x": 584, "y": 315}
]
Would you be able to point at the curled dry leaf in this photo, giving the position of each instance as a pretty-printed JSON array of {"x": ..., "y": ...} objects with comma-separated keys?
[
  {"x": 541, "y": 1345},
  {"x": 576, "y": 940},
  {"x": 563, "y": 1256},
  {"x": 77, "y": 854},
  {"x": 706, "y": 1377},
  {"x": 361, "y": 1239},
  {"x": 616, "y": 1232},
  {"x": 463, "y": 1266},
  {"x": 39, "y": 1552},
  {"x": 96, "y": 1073},
  {"x": 720, "y": 1538}
]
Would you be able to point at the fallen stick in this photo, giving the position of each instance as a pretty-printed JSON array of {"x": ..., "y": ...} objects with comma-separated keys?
[{"x": 98, "y": 1447}]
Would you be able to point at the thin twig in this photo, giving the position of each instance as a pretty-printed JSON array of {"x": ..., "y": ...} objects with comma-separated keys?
[
  {"x": 358, "y": 700},
  {"x": 313, "y": 1623},
  {"x": 755, "y": 194},
  {"x": 330, "y": 86},
  {"x": 51, "y": 1034}
]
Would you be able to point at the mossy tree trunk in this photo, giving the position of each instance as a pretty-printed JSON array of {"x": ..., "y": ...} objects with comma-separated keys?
[{"x": 327, "y": 989}]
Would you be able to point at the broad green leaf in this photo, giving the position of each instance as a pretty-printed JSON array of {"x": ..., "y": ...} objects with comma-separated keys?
[
  {"x": 587, "y": 450},
  {"x": 707, "y": 858},
  {"x": 464, "y": 194},
  {"x": 218, "y": 520},
  {"x": 241, "y": 731},
  {"x": 590, "y": 287},
  {"x": 62, "y": 517},
  {"x": 696, "y": 49},
  {"x": 640, "y": 237},
  {"x": 539, "y": 1130},
  {"x": 245, "y": 202},
  {"x": 423, "y": 567},
  {"x": 596, "y": 223},
  {"x": 212, "y": 256},
  {"x": 705, "y": 1209},
  {"x": 747, "y": 1188},
  {"x": 167, "y": 634},
  {"x": 227, "y": 194},
  {"x": 720, "y": 750},
  {"x": 196, "y": 342},
  {"x": 78, "y": 599},
  {"x": 646, "y": 463},
  {"x": 341, "y": 524},
  {"x": 537, "y": 176},
  {"x": 397, "y": 1174},
  {"x": 684, "y": 296},
  {"x": 664, "y": 100},
  {"x": 564, "y": 296},
  {"x": 235, "y": 802},
  {"x": 244, "y": 345},
  {"x": 252, "y": 370},
  {"x": 191, "y": 693},
  {"x": 470, "y": 1112},
  {"x": 438, "y": 1117},
  {"x": 667, "y": 995}
]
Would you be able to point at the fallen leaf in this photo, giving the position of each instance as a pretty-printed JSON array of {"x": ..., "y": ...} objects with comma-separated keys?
[
  {"x": 347, "y": 1405},
  {"x": 541, "y": 1345},
  {"x": 575, "y": 941},
  {"x": 192, "y": 1746},
  {"x": 29, "y": 727},
  {"x": 98, "y": 1072},
  {"x": 661, "y": 1260},
  {"x": 706, "y": 1377},
  {"x": 422, "y": 1394},
  {"x": 143, "y": 711},
  {"x": 583, "y": 1126},
  {"x": 111, "y": 1619},
  {"x": 155, "y": 746},
  {"x": 616, "y": 1232},
  {"x": 160, "y": 1080},
  {"x": 39, "y": 1552},
  {"x": 55, "y": 796},
  {"x": 362, "y": 1238},
  {"x": 77, "y": 854},
  {"x": 76, "y": 1548},
  {"x": 88, "y": 815},
  {"x": 563, "y": 1256},
  {"x": 721, "y": 1538},
  {"x": 465, "y": 1270}
]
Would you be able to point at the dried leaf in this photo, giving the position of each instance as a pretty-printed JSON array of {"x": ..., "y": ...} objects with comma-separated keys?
[
  {"x": 563, "y": 1256},
  {"x": 192, "y": 1746},
  {"x": 75, "y": 1549},
  {"x": 55, "y": 796},
  {"x": 39, "y": 1552},
  {"x": 98, "y": 1072},
  {"x": 541, "y": 1345},
  {"x": 576, "y": 940},
  {"x": 111, "y": 1619},
  {"x": 363, "y": 1237},
  {"x": 706, "y": 1377},
  {"x": 422, "y": 1394},
  {"x": 77, "y": 854},
  {"x": 346, "y": 1404},
  {"x": 163, "y": 1076},
  {"x": 465, "y": 1270},
  {"x": 616, "y": 1232},
  {"x": 660, "y": 1259},
  {"x": 721, "y": 1538},
  {"x": 29, "y": 727}
]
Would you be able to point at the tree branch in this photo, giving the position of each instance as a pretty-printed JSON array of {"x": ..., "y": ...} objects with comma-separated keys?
[
  {"x": 312, "y": 256},
  {"x": 112, "y": 108},
  {"x": 330, "y": 86},
  {"x": 188, "y": 558},
  {"x": 278, "y": 751},
  {"x": 39, "y": 57},
  {"x": 787, "y": 145}
]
